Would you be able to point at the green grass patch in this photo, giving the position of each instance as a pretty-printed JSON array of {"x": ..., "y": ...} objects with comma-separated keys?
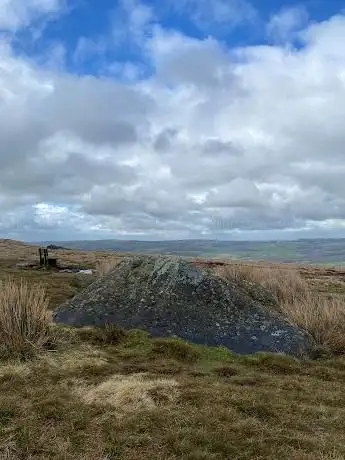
[
  {"x": 175, "y": 349},
  {"x": 207, "y": 403}
]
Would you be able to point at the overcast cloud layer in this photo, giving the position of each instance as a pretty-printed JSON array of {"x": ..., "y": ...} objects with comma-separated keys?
[{"x": 198, "y": 139}]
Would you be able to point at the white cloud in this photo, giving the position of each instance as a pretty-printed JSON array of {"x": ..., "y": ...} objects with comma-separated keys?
[
  {"x": 246, "y": 141},
  {"x": 131, "y": 21},
  {"x": 130, "y": 26},
  {"x": 216, "y": 14},
  {"x": 16, "y": 14},
  {"x": 284, "y": 26},
  {"x": 87, "y": 47}
]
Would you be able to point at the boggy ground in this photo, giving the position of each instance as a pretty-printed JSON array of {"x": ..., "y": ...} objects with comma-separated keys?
[{"x": 104, "y": 394}]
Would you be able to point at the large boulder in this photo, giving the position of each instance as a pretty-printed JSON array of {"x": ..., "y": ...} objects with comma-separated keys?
[{"x": 166, "y": 295}]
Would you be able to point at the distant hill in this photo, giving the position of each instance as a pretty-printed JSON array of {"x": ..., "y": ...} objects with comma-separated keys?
[{"x": 319, "y": 251}]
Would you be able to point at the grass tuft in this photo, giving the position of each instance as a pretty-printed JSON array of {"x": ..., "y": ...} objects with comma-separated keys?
[
  {"x": 175, "y": 349},
  {"x": 322, "y": 316},
  {"x": 24, "y": 320},
  {"x": 226, "y": 371},
  {"x": 129, "y": 393},
  {"x": 274, "y": 363},
  {"x": 110, "y": 334},
  {"x": 285, "y": 285},
  {"x": 106, "y": 265}
]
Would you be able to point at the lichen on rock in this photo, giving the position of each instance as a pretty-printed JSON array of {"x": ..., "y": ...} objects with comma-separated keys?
[{"x": 167, "y": 295}]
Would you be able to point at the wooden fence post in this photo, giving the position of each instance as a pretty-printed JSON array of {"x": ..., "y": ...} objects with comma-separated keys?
[
  {"x": 41, "y": 257},
  {"x": 43, "y": 252}
]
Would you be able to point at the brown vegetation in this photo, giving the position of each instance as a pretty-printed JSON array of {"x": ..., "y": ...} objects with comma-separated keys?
[
  {"x": 12, "y": 252},
  {"x": 285, "y": 285},
  {"x": 107, "y": 394},
  {"x": 24, "y": 319},
  {"x": 107, "y": 265},
  {"x": 127, "y": 401},
  {"x": 322, "y": 316}
]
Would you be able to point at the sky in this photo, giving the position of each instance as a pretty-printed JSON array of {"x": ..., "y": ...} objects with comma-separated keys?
[{"x": 153, "y": 120}]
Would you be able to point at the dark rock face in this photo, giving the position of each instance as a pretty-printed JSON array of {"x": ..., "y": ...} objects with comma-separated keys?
[{"x": 167, "y": 295}]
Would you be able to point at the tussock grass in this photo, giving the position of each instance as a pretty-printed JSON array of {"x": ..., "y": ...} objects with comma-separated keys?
[
  {"x": 322, "y": 316},
  {"x": 130, "y": 392},
  {"x": 226, "y": 371},
  {"x": 24, "y": 319},
  {"x": 109, "y": 334},
  {"x": 106, "y": 265},
  {"x": 175, "y": 349},
  {"x": 285, "y": 285}
]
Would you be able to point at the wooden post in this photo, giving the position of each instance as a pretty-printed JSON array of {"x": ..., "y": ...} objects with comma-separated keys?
[
  {"x": 41, "y": 257},
  {"x": 43, "y": 252}
]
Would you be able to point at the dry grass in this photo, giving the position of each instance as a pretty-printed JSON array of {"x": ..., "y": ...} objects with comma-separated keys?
[
  {"x": 286, "y": 285},
  {"x": 130, "y": 392},
  {"x": 24, "y": 318},
  {"x": 12, "y": 252},
  {"x": 322, "y": 316},
  {"x": 107, "y": 265}
]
